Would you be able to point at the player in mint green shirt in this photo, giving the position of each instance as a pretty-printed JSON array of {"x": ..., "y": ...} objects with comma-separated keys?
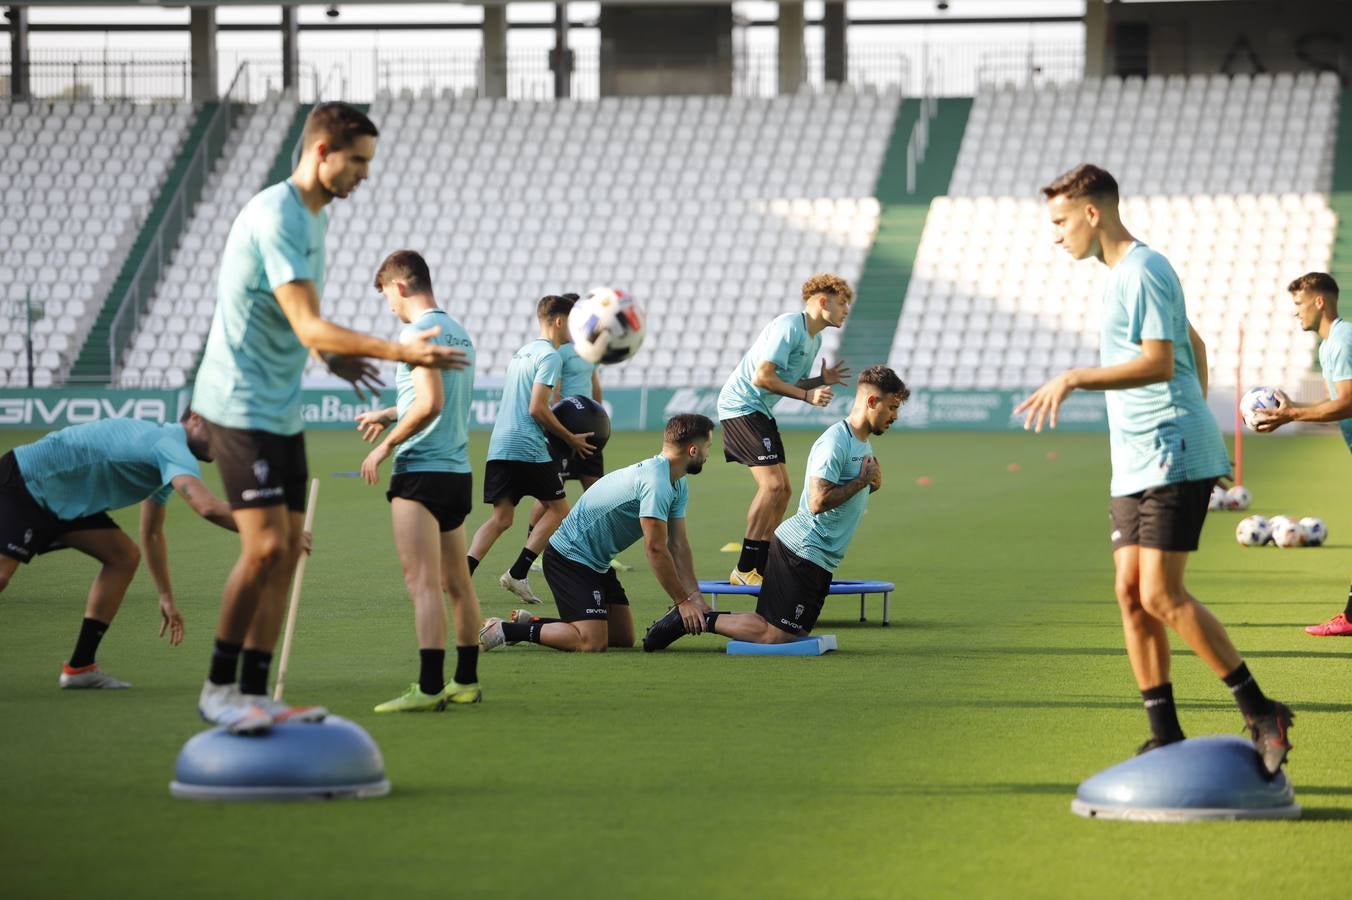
[
  {"x": 57, "y": 493},
  {"x": 1316, "y": 298},
  {"x": 267, "y": 319},
  {"x": 519, "y": 463},
  {"x": 431, "y": 490},
  {"x": 808, "y": 547},
  {"x": 778, "y": 364},
  {"x": 1166, "y": 452},
  {"x": 645, "y": 501}
]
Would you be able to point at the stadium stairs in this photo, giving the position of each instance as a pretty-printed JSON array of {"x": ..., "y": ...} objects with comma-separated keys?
[
  {"x": 887, "y": 270},
  {"x": 93, "y": 363},
  {"x": 1340, "y": 198}
]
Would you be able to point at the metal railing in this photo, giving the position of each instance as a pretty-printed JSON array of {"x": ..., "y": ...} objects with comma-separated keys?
[
  {"x": 141, "y": 288},
  {"x": 918, "y": 142},
  {"x": 367, "y": 73}
]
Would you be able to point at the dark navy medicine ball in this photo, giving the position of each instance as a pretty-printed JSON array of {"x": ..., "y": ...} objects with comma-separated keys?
[{"x": 581, "y": 415}]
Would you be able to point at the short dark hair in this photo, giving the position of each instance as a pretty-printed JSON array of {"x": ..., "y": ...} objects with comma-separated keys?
[
  {"x": 407, "y": 266},
  {"x": 1315, "y": 283},
  {"x": 573, "y": 297},
  {"x": 1085, "y": 180},
  {"x": 187, "y": 414},
  {"x": 339, "y": 124},
  {"x": 885, "y": 380},
  {"x": 687, "y": 428},
  {"x": 552, "y": 305}
]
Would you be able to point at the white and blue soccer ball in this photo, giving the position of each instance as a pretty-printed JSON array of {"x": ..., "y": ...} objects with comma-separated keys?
[
  {"x": 1255, "y": 399},
  {"x": 1287, "y": 532},
  {"x": 607, "y": 326},
  {"x": 1315, "y": 531},
  {"x": 1217, "y": 500},
  {"x": 1238, "y": 497},
  {"x": 1253, "y": 531}
]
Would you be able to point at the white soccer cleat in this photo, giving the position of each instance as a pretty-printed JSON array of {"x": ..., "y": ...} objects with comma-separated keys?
[
  {"x": 520, "y": 587},
  {"x": 491, "y": 636},
  {"x": 285, "y": 712},
  {"x": 89, "y": 678},
  {"x": 223, "y": 704}
]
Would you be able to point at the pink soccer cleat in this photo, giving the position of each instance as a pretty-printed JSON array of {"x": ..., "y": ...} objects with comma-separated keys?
[{"x": 1335, "y": 627}]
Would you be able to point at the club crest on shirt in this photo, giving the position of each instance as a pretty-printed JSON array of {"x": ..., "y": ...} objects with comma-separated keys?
[{"x": 260, "y": 471}]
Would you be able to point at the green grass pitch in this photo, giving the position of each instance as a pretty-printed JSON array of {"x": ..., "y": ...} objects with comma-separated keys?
[{"x": 935, "y": 758}]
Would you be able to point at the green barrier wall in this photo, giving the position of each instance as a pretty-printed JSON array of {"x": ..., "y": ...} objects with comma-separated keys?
[{"x": 631, "y": 409}]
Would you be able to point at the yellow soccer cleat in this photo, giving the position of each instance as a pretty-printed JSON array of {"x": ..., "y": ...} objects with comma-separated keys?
[
  {"x": 456, "y": 694},
  {"x": 746, "y": 578},
  {"x": 414, "y": 700}
]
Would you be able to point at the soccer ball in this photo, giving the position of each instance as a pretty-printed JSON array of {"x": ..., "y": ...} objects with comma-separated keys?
[
  {"x": 1253, "y": 531},
  {"x": 1287, "y": 532},
  {"x": 1238, "y": 497},
  {"x": 1275, "y": 521},
  {"x": 607, "y": 326},
  {"x": 1255, "y": 399},
  {"x": 1316, "y": 532},
  {"x": 1217, "y": 500}
]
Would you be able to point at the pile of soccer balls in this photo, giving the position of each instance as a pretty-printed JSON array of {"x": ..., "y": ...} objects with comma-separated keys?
[
  {"x": 1284, "y": 531},
  {"x": 1238, "y": 497}
]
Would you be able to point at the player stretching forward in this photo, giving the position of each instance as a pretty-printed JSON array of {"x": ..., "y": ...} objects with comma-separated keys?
[
  {"x": 808, "y": 547},
  {"x": 1167, "y": 453},
  {"x": 248, "y": 390},
  {"x": 519, "y": 464},
  {"x": 431, "y": 489},
  {"x": 646, "y": 500},
  {"x": 1316, "y": 296},
  {"x": 57, "y": 492},
  {"x": 777, "y": 366}
]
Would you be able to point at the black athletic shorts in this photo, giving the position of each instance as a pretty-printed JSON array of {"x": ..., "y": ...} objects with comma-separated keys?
[
  {"x": 27, "y": 528},
  {"x": 792, "y": 592},
  {"x": 447, "y": 495},
  {"x": 752, "y": 440},
  {"x": 581, "y": 592},
  {"x": 1168, "y": 517},
  {"x": 574, "y": 468},
  {"x": 515, "y": 479},
  {"x": 260, "y": 468}
]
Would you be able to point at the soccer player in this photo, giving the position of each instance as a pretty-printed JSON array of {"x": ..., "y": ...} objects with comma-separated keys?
[
  {"x": 1316, "y": 299},
  {"x": 577, "y": 378},
  {"x": 249, "y": 388},
  {"x": 808, "y": 547},
  {"x": 776, "y": 366},
  {"x": 431, "y": 489},
  {"x": 519, "y": 464},
  {"x": 56, "y": 493},
  {"x": 646, "y": 500},
  {"x": 1166, "y": 451}
]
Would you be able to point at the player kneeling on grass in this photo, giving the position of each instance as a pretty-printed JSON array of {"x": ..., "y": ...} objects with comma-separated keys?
[
  {"x": 807, "y": 548},
  {"x": 646, "y": 500},
  {"x": 431, "y": 490},
  {"x": 56, "y": 493}
]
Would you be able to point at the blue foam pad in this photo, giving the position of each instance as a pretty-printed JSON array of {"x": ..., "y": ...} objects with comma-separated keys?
[
  {"x": 1214, "y": 777},
  {"x": 808, "y": 646},
  {"x": 333, "y": 758}
]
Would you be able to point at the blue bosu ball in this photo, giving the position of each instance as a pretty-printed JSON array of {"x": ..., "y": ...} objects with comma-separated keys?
[
  {"x": 1214, "y": 777},
  {"x": 294, "y": 760}
]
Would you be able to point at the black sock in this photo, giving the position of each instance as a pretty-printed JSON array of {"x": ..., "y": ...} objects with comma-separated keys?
[
  {"x": 473, "y": 564},
  {"x": 751, "y": 554},
  {"x": 1159, "y": 706},
  {"x": 87, "y": 644},
  {"x": 709, "y": 618},
  {"x": 1252, "y": 702},
  {"x": 521, "y": 568},
  {"x": 763, "y": 557},
  {"x": 1347, "y": 610},
  {"x": 524, "y": 631},
  {"x": 224, "y": 663},
  {"x": 253, "y": 676},
  {"x": 432, "y": 675},
  {"x": 467, "y": 664}
]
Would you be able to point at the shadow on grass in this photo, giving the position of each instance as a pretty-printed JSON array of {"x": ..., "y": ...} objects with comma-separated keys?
[
  {"x": 978, "y": 652},
  {"x": 963, "y": 790}
]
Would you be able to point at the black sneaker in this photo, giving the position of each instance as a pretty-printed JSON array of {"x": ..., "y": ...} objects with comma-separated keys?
[
  {"x": 1155, "y": 743},
  {"x": 664, "y": 632},
  {"x": 1268, "y": 733}
]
